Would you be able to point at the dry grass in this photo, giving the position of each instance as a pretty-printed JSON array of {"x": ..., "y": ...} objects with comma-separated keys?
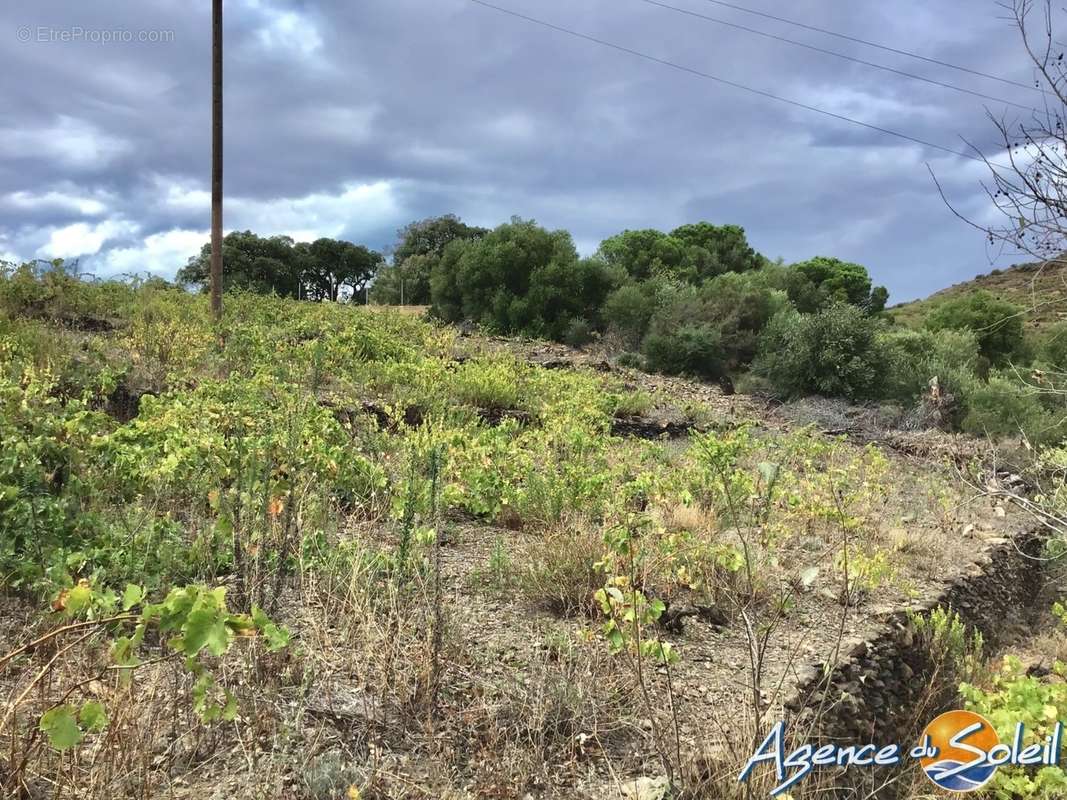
[{"x": 557, "y": 571}]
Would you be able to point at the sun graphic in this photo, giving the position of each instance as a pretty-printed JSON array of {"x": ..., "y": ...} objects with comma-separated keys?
[{"x": 947, "y": 769}]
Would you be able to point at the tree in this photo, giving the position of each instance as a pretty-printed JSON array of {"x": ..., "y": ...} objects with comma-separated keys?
[
  {"x": 488, "y": 280},
  {"x": 408, "y": 282},
  {"x": 716, "y": 249},
  {"x": 996, "y": 323},
  {"x": 740, "y": 304},
  {"x": 430, "y": 236},
  {"x": 275, "y": 265},
  {"x": 254, "y": 263},
  {"x": 1028, "y": 175},
  {"x": 692, "y": 253},
  {"x": 565, "y": 291},
  {"x": 643, "y": 254},
  {"x": 628, "y": 310},
  {"x": 681, "y": 338},
  {"x": 419, "y": 248},
  {"x": 329, "y": 265},
  {"x": 821, "y": 281}
]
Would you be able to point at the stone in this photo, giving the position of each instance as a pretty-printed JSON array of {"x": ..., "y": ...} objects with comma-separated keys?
[{"x": 646, "y": 788}]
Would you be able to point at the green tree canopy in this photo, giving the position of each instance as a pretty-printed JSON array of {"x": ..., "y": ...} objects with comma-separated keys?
[
  {"x": 407, "y": 282},
  {"x": 319, "y": 270},
  {"x": 716, "y": 249},
  {"x": 518, "y": 277},
  {"x": 692, "y": 253},
  {"x": 259, "y": 264},
  {"x": 329, "y": 265},
  {"x": 644, "y": 254},
  {"x": 996, "y": 323},
  {"x": 820, "y": 282},
  {"x": 420, "y": 245},
  {"x": 430, "y": 236}
]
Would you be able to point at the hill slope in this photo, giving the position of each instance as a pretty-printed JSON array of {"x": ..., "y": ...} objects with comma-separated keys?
[{"x": 1042, "y": 288}]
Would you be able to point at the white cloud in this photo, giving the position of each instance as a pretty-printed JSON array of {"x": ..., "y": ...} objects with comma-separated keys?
[
  {"x": 54, "y": 200},
  {"x": 367, "y": 206},
  {"x": 83, "y": 239},
  {"x": 355, "y": 206},
  {"x": 73, "y": 142},
  {"x": 161, "y": 253},
  {"x": 867, "y": 107},
  {"x": 288, "y": 31},
  {"x": 177, "y": 194},
  {"x": 514, "y": 127}
]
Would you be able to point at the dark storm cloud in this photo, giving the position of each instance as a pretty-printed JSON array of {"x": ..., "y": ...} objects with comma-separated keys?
[{"x": 350, "y": 119}]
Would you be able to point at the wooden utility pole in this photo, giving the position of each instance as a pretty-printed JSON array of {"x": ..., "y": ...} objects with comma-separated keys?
[{"x": 216, "y": 160}]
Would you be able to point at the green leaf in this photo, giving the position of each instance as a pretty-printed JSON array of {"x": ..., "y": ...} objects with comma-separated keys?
[
  {"x": 277, "y": 637},
  {"x": 92, "y": 716},
  {"x": 206, "y": 627},
  {"x": 61, "y": 728},
  {"x": 229, "y": 711},
  {"x": 657, "y": 607},
  {"x": 769, "y": 471},
  {"x": 132, "y": 596}
]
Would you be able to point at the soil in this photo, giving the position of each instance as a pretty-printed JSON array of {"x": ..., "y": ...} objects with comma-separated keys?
[{"x": 503, "y": 638}]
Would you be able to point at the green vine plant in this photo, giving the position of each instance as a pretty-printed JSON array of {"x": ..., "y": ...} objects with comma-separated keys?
[
  {"x": 629, "y": 614},
  {"x": 194, "y": 623}
]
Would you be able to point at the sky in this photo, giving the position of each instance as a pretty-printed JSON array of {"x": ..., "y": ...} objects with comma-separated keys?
[{"x": 351, "y": 118}]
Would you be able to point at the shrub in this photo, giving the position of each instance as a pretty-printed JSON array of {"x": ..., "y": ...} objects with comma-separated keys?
[
  {"x": 1052, "y": 347},
  {"x": 740, "y": 305},
  {"x": 487, "y": 280},
  {"x": 913, "y": 358},
  {"x": 835, "y": 353},
  {"x": 628, "y": 310},
  {"x": 578, "y": 333},
  {"x": 688, "y": 350},
  {"x": 1013, "y": 697},
  {"x": 680, "y": 338},
  {"x": 997, "y": 324},
  {"x": 1003, "y": 406}
]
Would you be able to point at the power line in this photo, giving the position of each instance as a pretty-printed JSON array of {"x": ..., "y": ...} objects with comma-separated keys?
[
  {"x": 836, "y": 54},
  {"x": 726, "y": 82},
  {"x": 869, "y": 43}
]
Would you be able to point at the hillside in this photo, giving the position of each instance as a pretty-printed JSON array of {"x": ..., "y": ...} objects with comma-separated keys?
[
  {"x": 1040, "y": 288},
  {"x": 351, "y": 553}
]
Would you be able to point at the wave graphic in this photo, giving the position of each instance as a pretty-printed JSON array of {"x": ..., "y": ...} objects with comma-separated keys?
[{"x": 967, "y": 780}]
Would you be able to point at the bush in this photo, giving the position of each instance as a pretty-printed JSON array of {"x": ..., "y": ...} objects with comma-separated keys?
[
  {"x": 688, "y": 350},
  {"x": 820, "y": 282},
  {"x": 997, "y": 324},
  {"x": 835, "y": 353},
  {"x": 629, "y": 309},
  {"x": 1004, "y": 407},
  {"x": 578, "y": 333},
  {"x": 913, "y": 358},
  {"x": 740, "y": 305},
  {"x": 520, "y": 278},
  {"x": 1052, "y": 347}
]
